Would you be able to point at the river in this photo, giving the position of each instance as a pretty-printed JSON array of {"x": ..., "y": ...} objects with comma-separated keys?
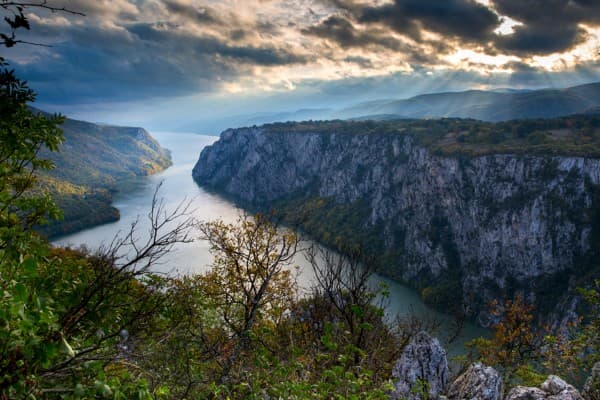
[{"x": 178, "y": 186}]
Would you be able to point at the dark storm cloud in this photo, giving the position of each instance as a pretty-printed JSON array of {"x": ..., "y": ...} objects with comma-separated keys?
[
  {"x": 548, "y": 25},
  {"x": 139, "y": 60},
  {"x": 343, "y": 32},
  {"x": 464, "y": 19},
  {"x": 194, "y": 45},
  {"x": 550, "y": 11},
  {"x": 362, "y": 61},
  {"x": 532, "y": 39},
  {"x": 77, "y": 73},
  {"x": 202, "y": 15}
]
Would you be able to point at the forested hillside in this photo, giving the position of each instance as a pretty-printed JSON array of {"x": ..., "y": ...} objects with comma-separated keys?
[{"x": 93, "y": 163}]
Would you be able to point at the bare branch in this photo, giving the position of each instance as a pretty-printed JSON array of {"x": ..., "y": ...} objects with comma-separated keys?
[
  {"x": 39, "y": 4},
  {"x": 19, "y": 20}
]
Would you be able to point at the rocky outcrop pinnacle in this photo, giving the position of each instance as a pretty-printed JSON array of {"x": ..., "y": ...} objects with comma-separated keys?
[
  {"x": 553, "y": 388},
  {"x": 591, "y": 390},
  {"x": 422, "y": 371},
  {"x": 477, "y": 383}
]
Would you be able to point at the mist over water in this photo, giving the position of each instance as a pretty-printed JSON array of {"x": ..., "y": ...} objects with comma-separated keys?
[{"x": 177, "y": 187}]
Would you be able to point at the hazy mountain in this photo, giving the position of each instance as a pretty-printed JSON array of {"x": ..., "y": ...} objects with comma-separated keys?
[
  {"x": 215, "y": 126},
  {"x": 497, "y": 105},
  {"x": 500, "y": 104}
]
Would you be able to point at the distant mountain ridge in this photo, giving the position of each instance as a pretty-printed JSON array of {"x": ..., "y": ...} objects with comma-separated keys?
[
  {"x": 214, "y": 126},
  {"x": 93, "y": 162},
  {"x": 502, "y": 105}
]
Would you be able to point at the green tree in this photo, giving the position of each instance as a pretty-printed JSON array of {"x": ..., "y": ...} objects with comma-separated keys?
[
  {"x": 250, "y": 281},
  {"x": 573, "y": 352},
  {"x": 22, "y": 135},
  {"x": 515, "y": 347},
  {"x": 62, "y": 312}
]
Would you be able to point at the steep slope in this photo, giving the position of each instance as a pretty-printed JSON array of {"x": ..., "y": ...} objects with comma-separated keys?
[
  {"x": 93, "y": 162},
  {"x": 485, "y": 105},
  {"x": 463, "y": 222}
]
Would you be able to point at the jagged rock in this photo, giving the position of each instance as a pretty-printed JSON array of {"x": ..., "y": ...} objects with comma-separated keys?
[
  {"x": 526, "y": 393},
  {"x": 554, "y": 385},
  {"x": 477, "y": 383},
  {"x": 591, "y": 390},
  {"x": 554, "y": 388},
  {"x": 422, "y": 367}
]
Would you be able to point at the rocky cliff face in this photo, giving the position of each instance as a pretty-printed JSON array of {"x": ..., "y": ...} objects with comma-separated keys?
[{"x": 490, "y": 224}]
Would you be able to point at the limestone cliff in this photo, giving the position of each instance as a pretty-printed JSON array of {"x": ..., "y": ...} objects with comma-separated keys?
[{"x": 479, "y": 227}]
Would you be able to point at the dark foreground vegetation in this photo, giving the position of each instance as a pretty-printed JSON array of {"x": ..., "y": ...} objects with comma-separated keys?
[{"x": 99, "y": 324}]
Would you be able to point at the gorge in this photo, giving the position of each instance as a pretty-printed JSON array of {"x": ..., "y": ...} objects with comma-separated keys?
[{"x": 465, "y": 222}]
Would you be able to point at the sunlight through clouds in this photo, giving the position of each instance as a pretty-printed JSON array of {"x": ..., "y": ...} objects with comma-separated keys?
[{"x": 124, "y": 50}]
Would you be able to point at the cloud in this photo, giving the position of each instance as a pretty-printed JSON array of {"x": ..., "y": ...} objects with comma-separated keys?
[
  {"x": 343, "y": 32},
  {"x": 125, "y": 50},
  {"x": 106, "y": 8},
  {"x": 120, "y": 59},
  {"x": 464, "y": 19},
  {"x": 544, "y": 26},
  {"x": 548, "y": 26},
  {"x": 201, "y": 15},
  {"x": 167, "y": 38},
  {"x": 533, "y": 39}
]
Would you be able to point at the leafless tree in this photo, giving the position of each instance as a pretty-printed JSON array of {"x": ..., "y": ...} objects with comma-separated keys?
[
  {"x": 122, "y": 270},
  {"x": 344, "y": 282},
  {"x": 345, "y": 288}
]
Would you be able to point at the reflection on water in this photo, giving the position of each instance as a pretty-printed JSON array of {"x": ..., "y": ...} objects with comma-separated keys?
[{"x": 178, "y": 186}]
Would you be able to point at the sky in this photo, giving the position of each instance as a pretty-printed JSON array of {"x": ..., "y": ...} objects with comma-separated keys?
[{"x": 160, "y": 63}]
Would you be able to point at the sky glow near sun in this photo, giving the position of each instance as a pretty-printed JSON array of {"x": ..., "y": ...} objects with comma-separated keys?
[{"x": 127, "y": 50}]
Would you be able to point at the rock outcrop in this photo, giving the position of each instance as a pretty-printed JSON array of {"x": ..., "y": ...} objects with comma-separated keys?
[
  {"x": 480, "y": 227},
  {"x": 591, "y": 390},
  {"x": 554, "y": 388},
  {"x": 477, "y": 383},
  {"x": 422, "y": 368}
]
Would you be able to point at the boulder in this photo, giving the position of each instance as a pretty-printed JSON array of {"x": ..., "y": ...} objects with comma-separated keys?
[
  {"x": 591, "y": 390},
  {"x": 477, "y": 383},
  {"x": 422, "y": 368},
  {"x": 553, "y": 388},
  {"x": 526, "y": 393}
]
